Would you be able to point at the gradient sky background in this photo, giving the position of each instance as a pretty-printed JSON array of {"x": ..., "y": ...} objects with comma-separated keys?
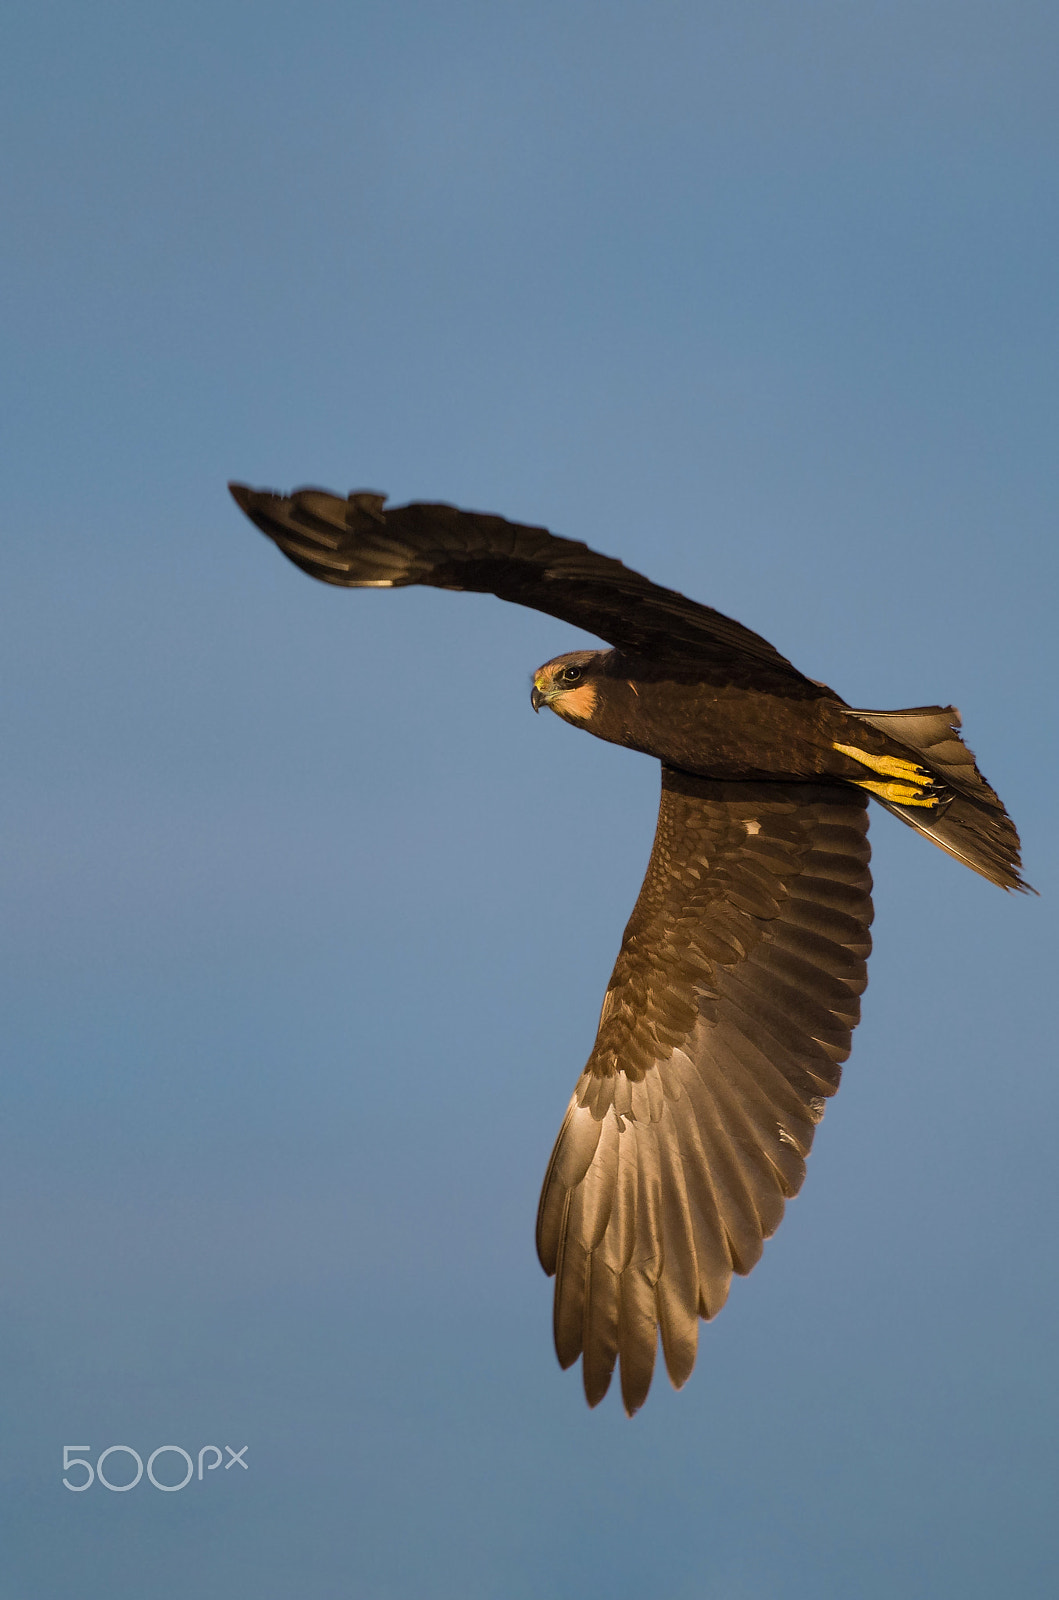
[{"x": 308, "y": 918}]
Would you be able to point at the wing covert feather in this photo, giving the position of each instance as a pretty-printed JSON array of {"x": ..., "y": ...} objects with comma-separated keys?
[{"x": 728, "y": 1014}]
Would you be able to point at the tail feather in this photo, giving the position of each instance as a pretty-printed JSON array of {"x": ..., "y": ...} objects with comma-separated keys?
[{"x": 970, "y": 823}]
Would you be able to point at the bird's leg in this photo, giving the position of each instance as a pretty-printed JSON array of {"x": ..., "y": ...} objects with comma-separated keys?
[{"x": 914, "y": 785}]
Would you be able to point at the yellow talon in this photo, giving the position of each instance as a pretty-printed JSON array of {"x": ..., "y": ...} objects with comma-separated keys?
[
  {"x": 899, "y": 794},
  {"x": 889, "y": 766}
]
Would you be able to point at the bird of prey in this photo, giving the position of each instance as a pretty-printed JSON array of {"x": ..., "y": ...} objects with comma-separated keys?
[{"x": 737, "y": 986}]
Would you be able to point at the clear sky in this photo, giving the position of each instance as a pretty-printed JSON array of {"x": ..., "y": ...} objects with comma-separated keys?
[{"x": 307, "y": 918}]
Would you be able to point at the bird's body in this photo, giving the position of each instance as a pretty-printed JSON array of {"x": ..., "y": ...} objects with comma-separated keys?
[
  {"x": 736, "y": 990},
  {"x": 714, "y": 729},
  {"x": 683, "y": 719},
  {"x": 732, "y": 731}
]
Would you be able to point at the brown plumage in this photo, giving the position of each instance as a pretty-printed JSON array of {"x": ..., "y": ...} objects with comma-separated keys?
[{"x": 736, "y": 990}]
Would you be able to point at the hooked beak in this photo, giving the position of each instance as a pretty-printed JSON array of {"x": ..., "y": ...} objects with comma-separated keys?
[{"x": 536, "y": 698}]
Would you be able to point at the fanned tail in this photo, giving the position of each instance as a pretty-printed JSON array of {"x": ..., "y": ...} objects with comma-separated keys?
[{"x": 970, "y": 823}]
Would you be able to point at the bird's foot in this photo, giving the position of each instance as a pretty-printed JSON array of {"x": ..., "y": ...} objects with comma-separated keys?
[{"x": 913, "y": 785}]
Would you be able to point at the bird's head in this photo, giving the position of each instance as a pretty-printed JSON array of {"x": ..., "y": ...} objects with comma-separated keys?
[{"x": 569, "y": 685}]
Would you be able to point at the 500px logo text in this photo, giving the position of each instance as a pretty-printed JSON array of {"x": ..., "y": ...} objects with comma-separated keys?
[{"x": 76, "y": 1455}]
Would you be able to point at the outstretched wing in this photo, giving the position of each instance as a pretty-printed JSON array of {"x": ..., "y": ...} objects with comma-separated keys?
[
  {"x": 730, "y": 1009},
  {"x": 358, "y": 543}
]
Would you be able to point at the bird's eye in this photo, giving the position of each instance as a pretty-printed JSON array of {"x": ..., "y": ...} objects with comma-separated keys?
[{"x": 571, "y": 674}]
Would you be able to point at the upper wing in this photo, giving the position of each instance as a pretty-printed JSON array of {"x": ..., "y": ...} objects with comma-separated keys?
[
  {"x": 359, "y": 544},
  {"x": 730, "y": 1009}
]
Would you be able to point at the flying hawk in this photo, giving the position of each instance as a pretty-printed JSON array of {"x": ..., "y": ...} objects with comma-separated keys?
[{"x": 737, "y": 987}]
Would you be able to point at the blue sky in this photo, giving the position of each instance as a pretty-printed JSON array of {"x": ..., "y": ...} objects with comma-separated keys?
[{"x": 307, "y": 918}]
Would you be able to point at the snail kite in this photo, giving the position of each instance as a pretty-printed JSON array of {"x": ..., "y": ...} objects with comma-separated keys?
[{"x": 737, "y": 987}]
